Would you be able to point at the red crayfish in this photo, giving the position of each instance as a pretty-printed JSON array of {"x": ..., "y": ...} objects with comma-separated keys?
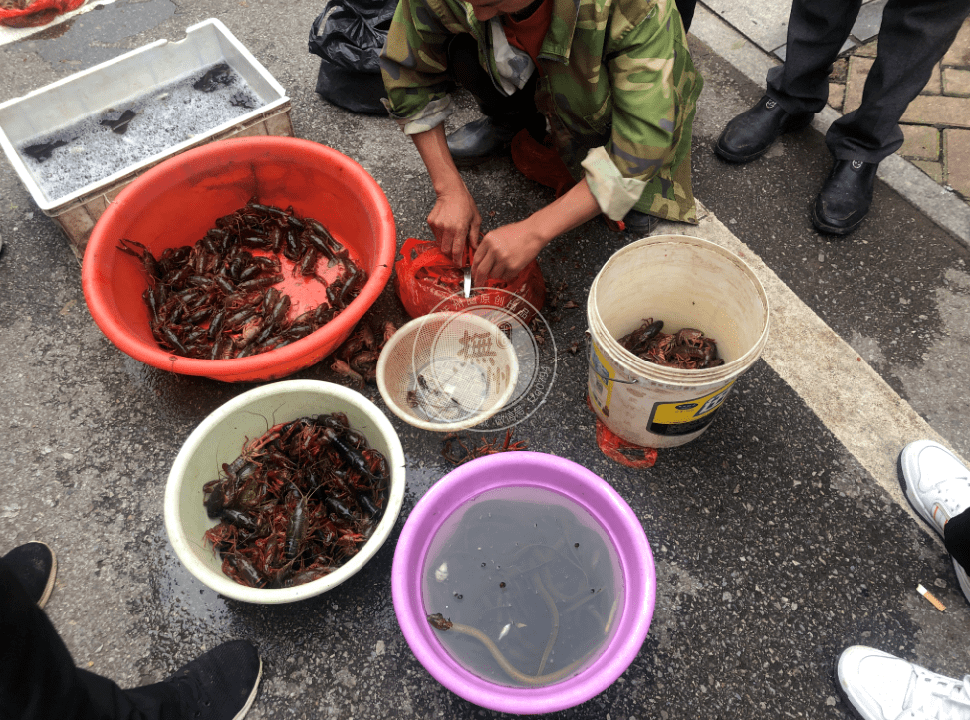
[
  {"x": 487, "y": 447},
  {"x": 688, "y": 348},
  {"x": 216, "y": 300},
  {"x": 357, "y": 358},
  {"x": 297, "y": 503}
]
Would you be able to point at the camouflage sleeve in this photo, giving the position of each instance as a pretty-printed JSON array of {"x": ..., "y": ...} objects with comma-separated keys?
[
  {"x": 414, "y": 64},
  {"x": 614, "y": 193},
  {"x": 655, "y": 89}
]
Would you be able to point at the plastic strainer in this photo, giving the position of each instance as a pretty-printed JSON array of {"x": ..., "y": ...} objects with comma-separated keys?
[{"x": 447, "y": 371}]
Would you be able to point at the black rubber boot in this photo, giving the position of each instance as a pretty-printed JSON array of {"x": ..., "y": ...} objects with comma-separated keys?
[
  {"x": 482, "y": 139},
  {"x": 639, "y": 223},
  {"x": 505, "y": 115}
]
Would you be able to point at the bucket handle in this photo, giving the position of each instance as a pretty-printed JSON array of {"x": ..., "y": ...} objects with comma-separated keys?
[{"x": 589, "y": 359}]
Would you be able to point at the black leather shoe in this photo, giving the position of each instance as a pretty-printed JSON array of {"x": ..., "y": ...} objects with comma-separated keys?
[
  {"x": 845, "y": 197},
  {"x": 481, "y": 139},
  {"x": 750, "y": 134}
]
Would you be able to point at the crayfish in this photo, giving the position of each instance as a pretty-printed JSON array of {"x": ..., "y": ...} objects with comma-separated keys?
[
  {"x": 476, "y": 451},
  {"x": 687, "y": 349},
  {"x": 216, "y": 300},
  {"x": 357, "y": 358},
  {"x": 297, "y": 503}
]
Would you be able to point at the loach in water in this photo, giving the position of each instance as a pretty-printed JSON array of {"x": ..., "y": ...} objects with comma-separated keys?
[
  {"x": 529, "y": 591},
  {"x": 221, "y": 74}
]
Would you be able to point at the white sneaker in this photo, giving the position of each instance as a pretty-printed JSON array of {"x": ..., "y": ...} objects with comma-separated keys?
[
  {"x": 883, "y": 687},
  {"x": 937, "y": 485}
]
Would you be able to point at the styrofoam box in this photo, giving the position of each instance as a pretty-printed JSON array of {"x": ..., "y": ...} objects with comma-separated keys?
[{"x": 117, "y": 81}]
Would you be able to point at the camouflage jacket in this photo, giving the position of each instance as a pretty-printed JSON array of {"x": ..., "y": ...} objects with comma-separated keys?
[{"x": 619, "y": 90}]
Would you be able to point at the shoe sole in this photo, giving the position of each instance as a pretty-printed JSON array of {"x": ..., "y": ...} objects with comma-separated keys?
[
  {"x": 842, "y": 692},
  {"x": 49, "y": 587},
  {"x": 904, "y": 486},
  {"x": 740, "y": 159},
  {"x": 252, "y": 695}
]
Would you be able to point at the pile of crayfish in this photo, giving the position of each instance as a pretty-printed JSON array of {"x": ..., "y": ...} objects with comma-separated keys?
[
  {"x": 357, "y": 358},
  {"x": 298, "y": 502},
  {"x": 469, "y": 450},
  {"x": 215, "y": 300},
  {"x": 687, "y": 349},
  {"x": 445, "y": 275}
]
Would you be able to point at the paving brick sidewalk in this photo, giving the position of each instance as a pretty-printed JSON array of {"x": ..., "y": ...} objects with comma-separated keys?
[{"x": 936, "y": 125}]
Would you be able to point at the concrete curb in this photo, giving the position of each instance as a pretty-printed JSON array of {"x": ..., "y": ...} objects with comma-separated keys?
[
  {"x": 936, "y": 202},
  {"x": 851, "y": 399}
]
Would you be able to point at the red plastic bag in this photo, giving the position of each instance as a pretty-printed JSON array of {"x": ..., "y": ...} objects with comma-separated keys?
[
  {"x": 39, "y": 12},
  {"x": 540, "y": 163},
  {"x": 426, "y": 280},
  {"x": 613, "y": 446}
]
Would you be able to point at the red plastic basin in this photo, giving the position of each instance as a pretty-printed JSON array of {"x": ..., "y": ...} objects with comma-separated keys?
[{"x": 176, "y": 202}]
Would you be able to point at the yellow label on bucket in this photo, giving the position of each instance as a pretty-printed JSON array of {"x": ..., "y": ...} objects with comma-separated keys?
[
  {"x": 601, "y": 379},
  {"x": 686, "y": 416}
]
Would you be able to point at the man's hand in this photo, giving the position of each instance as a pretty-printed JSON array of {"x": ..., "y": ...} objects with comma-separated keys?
[
  {"x": 455, "y": 220},
  {"x": 504, "y": 252}
]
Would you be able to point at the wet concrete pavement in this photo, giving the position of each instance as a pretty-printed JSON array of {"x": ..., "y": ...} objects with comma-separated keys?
[{"x": 778, "y": 535}]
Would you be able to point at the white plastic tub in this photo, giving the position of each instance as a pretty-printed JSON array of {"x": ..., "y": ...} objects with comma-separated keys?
[
  {"x": 113, "y": 85},
  {"x": 219, "y": 439}
]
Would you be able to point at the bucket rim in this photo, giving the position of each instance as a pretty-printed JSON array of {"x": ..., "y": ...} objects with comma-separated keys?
[{"x": 634, "y": 365}]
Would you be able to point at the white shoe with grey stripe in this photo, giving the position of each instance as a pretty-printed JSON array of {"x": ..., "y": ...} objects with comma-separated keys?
[{"x": 937, "y": 485}]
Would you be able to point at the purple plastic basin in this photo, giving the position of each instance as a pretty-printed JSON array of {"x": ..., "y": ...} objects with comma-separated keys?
[{"x": 573, "y": 482}]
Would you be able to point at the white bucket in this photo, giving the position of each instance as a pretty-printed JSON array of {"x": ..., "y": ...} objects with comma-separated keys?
[{"x": 686, "y": 282}]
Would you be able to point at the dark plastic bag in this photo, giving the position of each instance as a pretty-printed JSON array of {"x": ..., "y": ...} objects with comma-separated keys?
[{"x": 348, "y": 36}]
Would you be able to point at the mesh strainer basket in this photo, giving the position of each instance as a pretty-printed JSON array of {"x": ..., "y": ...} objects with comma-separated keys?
[{"x": 447, "y": 371}]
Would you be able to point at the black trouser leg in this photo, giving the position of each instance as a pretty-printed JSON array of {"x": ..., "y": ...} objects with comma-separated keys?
[
  {"x": 817, "y": 30},
  {"x": 38, "y": 678},
  {"x": 913, "y": 37},
  {"x": 686, "y": 10},
  {"x": 463, "y": 64},
  {"x": 956, "y": 538}
]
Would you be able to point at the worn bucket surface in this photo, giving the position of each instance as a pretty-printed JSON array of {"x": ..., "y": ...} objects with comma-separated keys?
[{"x": 686, "y": 282}]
